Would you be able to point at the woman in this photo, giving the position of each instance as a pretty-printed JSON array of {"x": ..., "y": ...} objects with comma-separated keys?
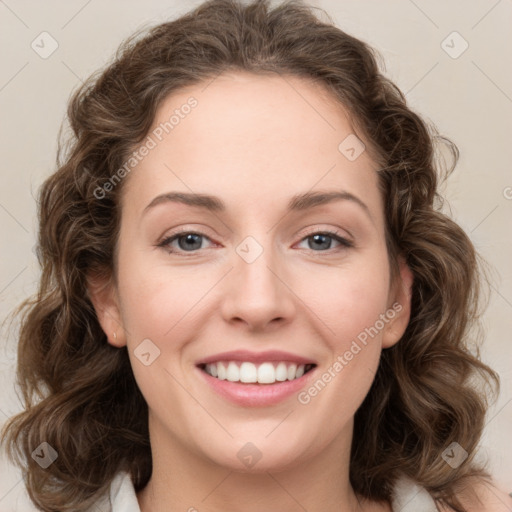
[{"x": 249, "y": 298}]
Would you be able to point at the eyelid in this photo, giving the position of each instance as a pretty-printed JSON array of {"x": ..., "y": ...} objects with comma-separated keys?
[
  {"x": 334, "y": 233},
  {"x": 166, "y": 239},
  {"x": 330, "y": 231}
]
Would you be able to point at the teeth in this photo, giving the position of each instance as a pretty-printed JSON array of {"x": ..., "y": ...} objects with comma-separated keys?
[
  {"x": 248, "y": 372},
  {"x": 221, "y": 371},
  {"x": 264, "y": 373},
  {"x": 233, "y": 372},
  {"x": 281, "y": 372}
]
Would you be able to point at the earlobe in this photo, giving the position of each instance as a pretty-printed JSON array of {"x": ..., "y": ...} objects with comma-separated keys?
[
  {"x": 103, "y": 295},
  {"x": 401, "y": 304}
]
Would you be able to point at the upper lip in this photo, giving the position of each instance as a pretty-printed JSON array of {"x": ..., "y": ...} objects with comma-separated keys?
[{"x": 255, "y": 357}]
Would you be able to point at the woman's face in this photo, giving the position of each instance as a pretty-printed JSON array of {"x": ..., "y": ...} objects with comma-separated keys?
[{"x": 273, "y": 277}]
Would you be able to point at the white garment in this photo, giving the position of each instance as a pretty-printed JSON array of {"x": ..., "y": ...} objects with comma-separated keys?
[{"x": 407, "y": 497}]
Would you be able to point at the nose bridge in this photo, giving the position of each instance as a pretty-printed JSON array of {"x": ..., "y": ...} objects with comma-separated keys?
[
  {"x": 257, "y": 294},
  {"x": 255, "y": 259}
]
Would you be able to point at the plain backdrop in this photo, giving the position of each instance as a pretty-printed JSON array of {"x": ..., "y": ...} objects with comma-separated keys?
[{"x": 451, "y": 58}]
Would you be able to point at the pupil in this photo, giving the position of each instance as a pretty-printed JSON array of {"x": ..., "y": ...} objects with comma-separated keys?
[
  {"x": 317, "y": 239},
  {"x": 190, "y": 241}
]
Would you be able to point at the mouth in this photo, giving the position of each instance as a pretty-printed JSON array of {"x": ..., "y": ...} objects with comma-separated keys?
[
  {"x": 256, "y": 379},
  {"x": 247, "y": 372}
]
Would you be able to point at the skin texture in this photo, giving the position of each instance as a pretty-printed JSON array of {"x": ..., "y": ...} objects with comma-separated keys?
[{"x": 254, "y": 142}]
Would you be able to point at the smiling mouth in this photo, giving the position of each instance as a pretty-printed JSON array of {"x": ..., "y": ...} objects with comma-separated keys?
[{"x": 245, "y": 372}]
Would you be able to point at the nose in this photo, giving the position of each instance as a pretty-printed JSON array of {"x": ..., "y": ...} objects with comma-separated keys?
[{"x": 257, "y": 294}]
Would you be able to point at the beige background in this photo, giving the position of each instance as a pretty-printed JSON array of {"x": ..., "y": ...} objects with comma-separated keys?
[{"x": 469, "y": 98}]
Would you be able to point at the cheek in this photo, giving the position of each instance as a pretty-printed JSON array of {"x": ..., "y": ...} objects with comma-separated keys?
[
  {"x": 352, "y": 312},
  {"x": 160, "y": 312},
  {"x": 157, "y": 301},
  {"x": 348, "y": 299}
]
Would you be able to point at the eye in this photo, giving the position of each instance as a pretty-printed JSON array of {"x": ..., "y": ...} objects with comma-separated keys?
[
  {"x": 190, "y": 241},
  {"x": 187, "y": 241},
  {"x": 322, "y": 240}
]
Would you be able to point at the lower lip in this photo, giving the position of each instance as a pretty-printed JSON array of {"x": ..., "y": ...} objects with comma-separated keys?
[{"x": 256, "y": 395}]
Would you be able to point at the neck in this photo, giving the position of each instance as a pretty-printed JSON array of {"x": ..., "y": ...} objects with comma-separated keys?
[{"x": 185, "y": 480}]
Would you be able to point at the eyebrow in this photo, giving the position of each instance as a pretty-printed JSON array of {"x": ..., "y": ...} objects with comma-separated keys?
[{"x": 298, "y": 202}]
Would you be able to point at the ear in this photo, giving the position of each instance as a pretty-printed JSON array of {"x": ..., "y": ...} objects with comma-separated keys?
[
  {"x": 103, "y": 295},
  {"x": 400, "y": 304}
]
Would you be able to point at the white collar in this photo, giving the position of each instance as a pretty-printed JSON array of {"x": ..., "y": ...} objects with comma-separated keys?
[{"x": 122, "y": 495}]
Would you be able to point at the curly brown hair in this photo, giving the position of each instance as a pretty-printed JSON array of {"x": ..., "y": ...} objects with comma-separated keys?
[{"x": 79, "y": 391}]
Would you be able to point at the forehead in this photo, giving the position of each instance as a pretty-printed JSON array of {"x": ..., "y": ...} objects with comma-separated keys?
[{"x": 256, "y": 137}]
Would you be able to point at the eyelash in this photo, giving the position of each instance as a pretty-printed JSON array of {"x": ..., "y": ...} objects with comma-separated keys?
[{"x": 164, "y": 244}]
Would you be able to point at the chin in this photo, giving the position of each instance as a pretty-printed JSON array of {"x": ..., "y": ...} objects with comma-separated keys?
[{"x": 256, "y": 458}]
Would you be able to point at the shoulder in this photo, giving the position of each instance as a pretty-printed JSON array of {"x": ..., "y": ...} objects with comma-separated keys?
[{"x": 483, "y": 496}]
